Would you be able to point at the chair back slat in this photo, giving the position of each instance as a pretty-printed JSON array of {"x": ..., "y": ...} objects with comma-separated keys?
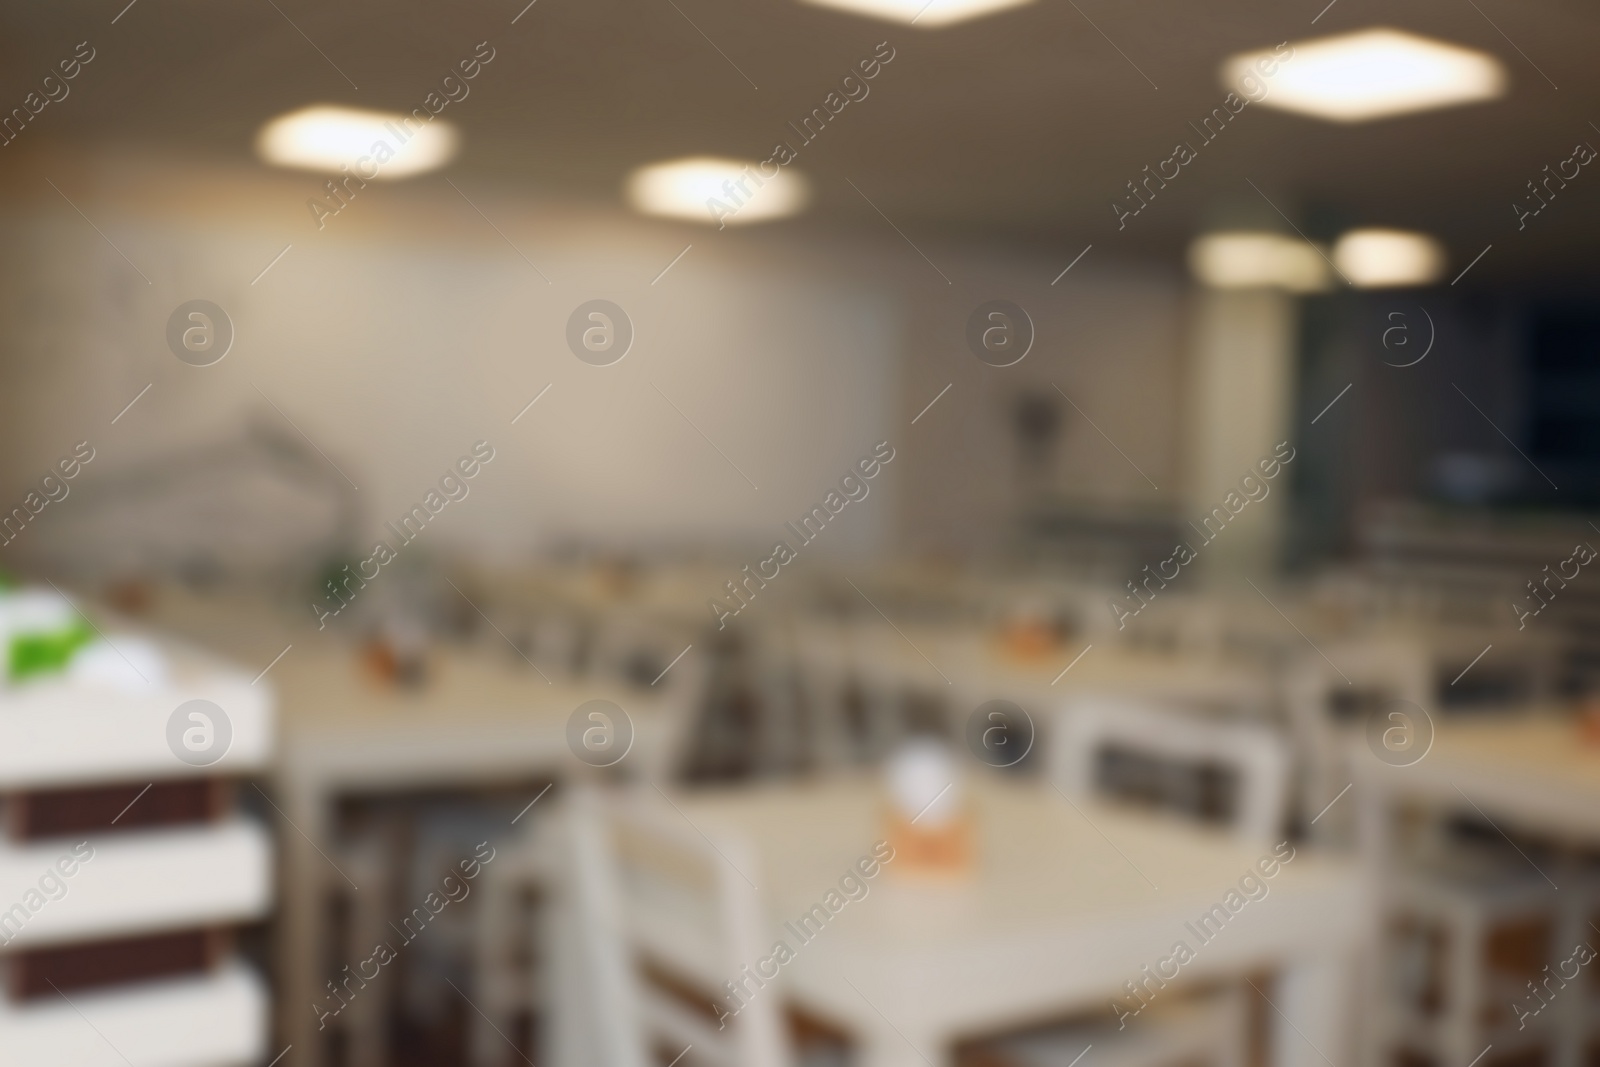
[
  {"x": 1091, "y": 729},
  {"x": 665, "y": 917}
]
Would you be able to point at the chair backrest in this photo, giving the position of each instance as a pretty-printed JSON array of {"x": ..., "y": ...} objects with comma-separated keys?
[
  {"x": 685, "y": 695},
  {"x": 786, "y": 737},
  {"x": 662, "y": 661},
  {"x": 824, "y": 656},
  {"x": 634, "y": 647},
  {"x": 1327, "y": 704},
  {"x": 1370, "y": 673},
  {"x": 1179, "y": 753},
  {"x": 663, "y": 920}
]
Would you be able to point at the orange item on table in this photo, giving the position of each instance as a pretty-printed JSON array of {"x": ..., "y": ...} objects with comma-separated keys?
[
  {"x": 1589, "y": 720},
  {"x": 1028, "y": 639},
  {"x": 919, "y": 849}
]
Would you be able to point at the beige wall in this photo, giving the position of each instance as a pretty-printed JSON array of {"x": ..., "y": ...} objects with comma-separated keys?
[
  {"x": 408, "y": 328},
  {"x": 1108, "y": 335}
]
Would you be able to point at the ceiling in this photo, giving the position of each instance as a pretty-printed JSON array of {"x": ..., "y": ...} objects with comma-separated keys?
[{"x": 1019, "y": 126}]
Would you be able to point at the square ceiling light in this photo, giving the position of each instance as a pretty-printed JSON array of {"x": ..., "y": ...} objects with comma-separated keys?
[
  {"x": 925, "y": 14},
  {"x": 374, "y": 144},
  {"x": 1373, "y": 74},
  {"x": 1381, "y": 259},
  {"x": 714, "y": 190},
  {"x": 1258, "y": 260}
]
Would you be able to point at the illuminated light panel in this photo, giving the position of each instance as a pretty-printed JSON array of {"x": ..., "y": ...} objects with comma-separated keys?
[
  {"x": 1258, "y": 261},
  {"x": 324, "y": 138},
  {"x": 1372, "y": 74},
  {"x": 1376, "y": 259},
  {"x": 706, "y": 189},
  {"x": 925, "y": 14}
]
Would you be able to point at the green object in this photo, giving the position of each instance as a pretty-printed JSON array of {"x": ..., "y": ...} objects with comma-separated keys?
[{"x": 45, "y": 653}]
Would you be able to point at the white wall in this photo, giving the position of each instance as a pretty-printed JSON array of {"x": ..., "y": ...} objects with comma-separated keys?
[
  {"x": 1240, "y": 409},
  {"x": 409, "y": 328}
]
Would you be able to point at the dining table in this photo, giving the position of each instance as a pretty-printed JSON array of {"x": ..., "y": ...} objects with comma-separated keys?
[
  {"x": 1533, "y": 769},
  {"x": 480, "y": 719},
  {"x": 1532, "y": 774},
  {"x": 1061, "y": 904},
  {"x": 962, "y": 667}
]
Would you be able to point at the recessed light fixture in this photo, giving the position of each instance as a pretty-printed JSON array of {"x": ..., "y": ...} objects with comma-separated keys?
[
  {"x": 718, "y": 191},
  {"x": 925, "y": 14},
  {"x": 1258, "y": 260},
  {"x": 1372, "y": 74},
  {"x": 325, "y": 138},
  {"x": 1377, "y": 259}
]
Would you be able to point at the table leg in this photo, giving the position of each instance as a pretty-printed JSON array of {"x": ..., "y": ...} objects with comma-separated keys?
[
  {"x": 826, "y": 691},
  {"x": 1311, "y": 1024},
  {"x": 1376, "y": 830},
  {"x": 301, "y": 920}
]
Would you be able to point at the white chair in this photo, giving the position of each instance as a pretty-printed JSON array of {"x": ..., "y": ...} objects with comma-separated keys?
[
  {"x": 1182, "y": 745},
  {"x": 1524, "y": 667},
  {"x": 1328, "y": 710},
  {"x": 657, "y": 919},
  {"x": 1462, "y": 948},
  {"x": 364, "y": 1021},
  {"x": 635, "y": 649},
  {"x": 649, "y": 656},
  {"x": 825, "y": 661},
  {"x": 683, "y": 694},
  {"x": 861, "y": 685},
  {"x": 787, "y": 733},
  {"x": 1472, "y": 926},
  {"x": 1208, "y": 1026},
  {"x": 512, "y": 942}
]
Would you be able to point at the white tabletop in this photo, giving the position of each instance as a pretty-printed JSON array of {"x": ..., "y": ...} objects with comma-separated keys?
[
  {"x": 481, "y": 709},
  {"x": 1052, "y": 918},
  {"x": 477, "y": 714},
  {"x": 976, "y": 666},
  {"x": 1537, "y": 772}
]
